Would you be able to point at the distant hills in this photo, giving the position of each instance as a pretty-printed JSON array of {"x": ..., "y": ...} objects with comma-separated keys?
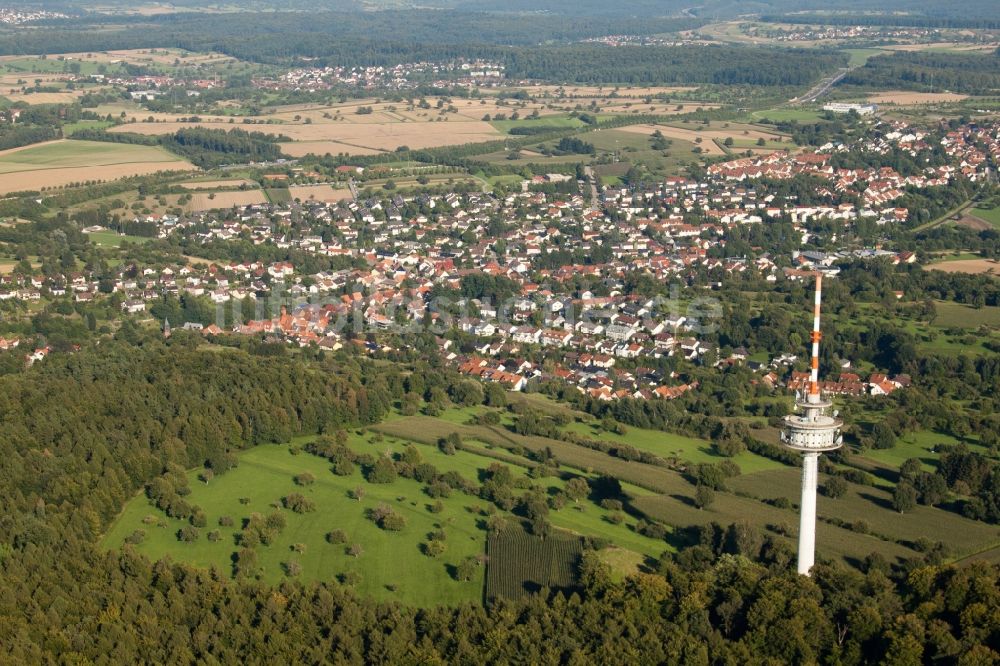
[{"x": 706, "y": 9}]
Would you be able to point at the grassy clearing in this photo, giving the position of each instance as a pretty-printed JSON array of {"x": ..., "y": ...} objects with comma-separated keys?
[
  {"x": 429, "y": 430},
  {"x": 584, "y": 517},
  {"x": 265, "y": 475},
  {"x": 858, "y": 57},
  {"x": 788, "y": 115},
  {"x": 546, "y": 122},
  {"x": 668, "y": 445},
  {"x": 918, "y": 445},
  {"x": 957, "y": 328},
  {"x": 957, "y": 315},
  {"x": 278, "y": 194},
  {"x": 62, "y": 154},
  {"x": 743, "y": 144},
  {"x": 70, "y": 128},
  {"x": 991, "y": 215},
  {"x": 113, "y": 239},
  {"x": 511, "y": 179}
]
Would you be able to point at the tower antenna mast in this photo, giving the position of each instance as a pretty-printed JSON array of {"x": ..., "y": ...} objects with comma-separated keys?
[{"x": 811, "y": 431}]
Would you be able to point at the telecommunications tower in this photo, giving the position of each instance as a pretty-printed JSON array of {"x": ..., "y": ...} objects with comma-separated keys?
[{"x": 811, "y": 431}]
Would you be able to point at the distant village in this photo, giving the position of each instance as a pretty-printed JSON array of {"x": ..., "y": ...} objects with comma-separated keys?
[
  {"x": 13, "y": 16},
  {"x": 405, "y": 76}
]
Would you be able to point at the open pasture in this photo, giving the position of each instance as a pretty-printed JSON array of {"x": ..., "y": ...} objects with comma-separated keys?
[
  {"x": 702, "y": 139},
  {"x": 990, "y": 216},
  {"x": 788, "y": 115},
  {"x": 326, "y": 193},
  {"x": 60, "y": 163},
  {"x": 210, "y": 200},
  {"x": 108, "y": 238},
  {"x": 950, "y": 314},
  {"x": 969, "y": 266}
]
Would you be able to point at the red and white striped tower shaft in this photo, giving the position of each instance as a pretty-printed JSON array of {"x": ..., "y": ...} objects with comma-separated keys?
[
  {"x": 811, "y": 432},
  {"x": 816, "y": 337}
]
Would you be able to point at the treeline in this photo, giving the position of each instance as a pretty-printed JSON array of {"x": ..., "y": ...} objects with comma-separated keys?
[
  {"x": 959, "y": 72},
  {"x": 982, "y": 18},
  {"x": 207, "y": 148},
  {"x": 724, "y": 65},
  {"x": 39, "y": 122},
  {"x": 15, "y": 136}
]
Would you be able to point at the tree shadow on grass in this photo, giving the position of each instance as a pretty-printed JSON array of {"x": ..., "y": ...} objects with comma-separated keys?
[{"x": 880, "y": 502}]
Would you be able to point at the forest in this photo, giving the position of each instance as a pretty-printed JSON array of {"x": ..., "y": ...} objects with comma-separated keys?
[
  {"x": 84, "y": 432},
  {"x": 957, "y": 72},
  {"x": 15, "y": 136},
  {"x": 396, "y": 37}
]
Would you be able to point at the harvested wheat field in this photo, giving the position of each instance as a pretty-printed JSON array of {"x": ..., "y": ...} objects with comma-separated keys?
[
  {"x": 909, "y": 98},
  {"x": 170, "y": 125},
  {"x": 28, "y": 78},
  {"x": 60, "y": 163},
  {"x": 143, "y": 57},
  {"x": 66, "y": 97},
  {"x": 211, "y": 200},
  {"x": 217, "y": 184},
  {"x": 941, "y": 46},
  {"x": 370, "y": 136},
  {"x": 325, "y": 193},
  {"x": 969, "y": 266}
]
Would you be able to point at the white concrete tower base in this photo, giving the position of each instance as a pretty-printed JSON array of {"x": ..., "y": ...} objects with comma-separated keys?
[{"x": 807, "y": 512}]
